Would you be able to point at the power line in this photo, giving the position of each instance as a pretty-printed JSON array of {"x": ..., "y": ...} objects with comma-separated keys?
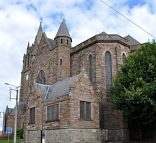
[{"x": 128, "y": 19}]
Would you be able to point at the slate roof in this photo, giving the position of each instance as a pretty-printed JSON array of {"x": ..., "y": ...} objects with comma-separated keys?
[
  {"x": 63, "y": 30},
  {"x": 131, "y": 40},
  {"x": 51, "y": 42},
  {"x": 12, "y": 112},
  {"x": 21, "y": 109},
  {"x": 58, "y": 89},
  {"x": 10, "y": 109}
]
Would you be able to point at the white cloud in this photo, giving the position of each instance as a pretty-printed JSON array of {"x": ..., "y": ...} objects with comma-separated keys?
[{"x": 19, "y": 20}]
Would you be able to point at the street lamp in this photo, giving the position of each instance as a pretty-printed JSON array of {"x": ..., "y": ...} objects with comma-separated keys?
[{"x": 15, "y": 124}]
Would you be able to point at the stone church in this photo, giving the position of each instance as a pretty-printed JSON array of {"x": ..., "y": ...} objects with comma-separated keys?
[{"x": 64, "y": 88}]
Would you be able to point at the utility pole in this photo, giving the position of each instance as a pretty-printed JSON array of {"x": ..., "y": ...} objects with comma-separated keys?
[
  {"x": 16, "y": 88},
  {"x": 2, "y": 116}
]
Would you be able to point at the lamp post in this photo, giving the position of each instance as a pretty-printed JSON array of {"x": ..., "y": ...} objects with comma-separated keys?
[{"x": 16, "y": 98}]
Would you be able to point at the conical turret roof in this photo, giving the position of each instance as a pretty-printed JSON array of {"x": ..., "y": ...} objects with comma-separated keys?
[{"x": 63, "y": 30}]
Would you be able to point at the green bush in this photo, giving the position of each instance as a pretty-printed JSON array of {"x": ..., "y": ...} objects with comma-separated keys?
[{"x": 20, "y": 133}]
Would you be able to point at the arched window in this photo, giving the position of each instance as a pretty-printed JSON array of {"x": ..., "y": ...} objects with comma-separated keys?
[
  {"x": 90, "y": 67},
  {"x": 41, "y": 77},
  {"x": 123, "y": 57},
  {"x": 108, "y": 69},
  {"x": 61, "y": 41}
]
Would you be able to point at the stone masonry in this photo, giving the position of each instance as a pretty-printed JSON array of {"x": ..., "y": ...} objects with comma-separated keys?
[{"x": 65, "y": 81}]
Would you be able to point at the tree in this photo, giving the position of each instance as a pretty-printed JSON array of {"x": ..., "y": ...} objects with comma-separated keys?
[{"x": 134, "y": 88}]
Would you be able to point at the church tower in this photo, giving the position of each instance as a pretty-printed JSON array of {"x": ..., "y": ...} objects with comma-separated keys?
[
  {"x": 28, "y": 58},
  {"x": 63, "y": 45}
]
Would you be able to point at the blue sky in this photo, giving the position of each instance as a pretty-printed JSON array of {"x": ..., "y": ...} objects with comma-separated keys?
[
  {"x": 20, "y": 20},
  {"x": 133, "y": 3}
]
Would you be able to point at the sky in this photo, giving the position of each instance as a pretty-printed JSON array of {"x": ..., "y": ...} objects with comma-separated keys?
[{"x": 19, "y": 22}]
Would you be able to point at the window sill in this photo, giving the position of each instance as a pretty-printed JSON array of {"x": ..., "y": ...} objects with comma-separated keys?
[
  {"x": 85, "y": 119},
  {"x": 49, "y": 121},
  {"x": 31, "y": 123}
]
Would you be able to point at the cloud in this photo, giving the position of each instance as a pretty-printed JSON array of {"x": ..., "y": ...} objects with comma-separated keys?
[{"x": 20, "y": 20}]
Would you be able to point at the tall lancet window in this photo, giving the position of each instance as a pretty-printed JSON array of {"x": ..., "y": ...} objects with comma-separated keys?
[
  {"x": 123, "y": 58},
  {"x": 90, "y": 67},
  {"x": 41, "y": 77},
  {"x": 108, "y": 69}
]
